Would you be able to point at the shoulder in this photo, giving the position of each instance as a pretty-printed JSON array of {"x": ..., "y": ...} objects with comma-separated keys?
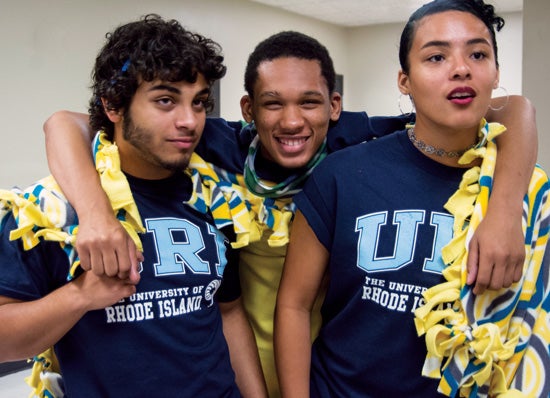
[
  {"x": 222, "y": 145},
  {"x": 28, "y": 274},
  {"x": 356, "y": 127}
]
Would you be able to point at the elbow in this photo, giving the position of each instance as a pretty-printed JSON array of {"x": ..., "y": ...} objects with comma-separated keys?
[
  {"x": 527, "y": 104},
  {"x": 10, "y": 353},
  {"x": 49, "y": 125}
]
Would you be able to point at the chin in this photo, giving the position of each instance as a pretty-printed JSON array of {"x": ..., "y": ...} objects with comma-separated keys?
[{"x": 292, "y": 164}]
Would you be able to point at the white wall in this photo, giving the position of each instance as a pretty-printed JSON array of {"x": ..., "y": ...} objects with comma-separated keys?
[
  {"x": 536, "y": 76},
  {"x": 48, "y": 49}
]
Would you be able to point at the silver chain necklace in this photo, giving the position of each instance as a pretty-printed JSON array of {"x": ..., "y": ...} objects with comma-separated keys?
[{"x": 430, "y": 150}]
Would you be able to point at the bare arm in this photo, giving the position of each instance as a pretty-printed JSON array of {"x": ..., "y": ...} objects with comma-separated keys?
[
  {"x": 497, "y": 249},
  {"x": 303, "y": 272},
  {"x": 243, "y": 351},
  {"x": 29, "y": 328},
  {"x": 102, "y": 243}
]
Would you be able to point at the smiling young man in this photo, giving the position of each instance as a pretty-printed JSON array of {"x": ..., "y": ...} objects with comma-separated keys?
[
  {"x": 158, "y": 332},
  {"x": 294, "y": 119}
]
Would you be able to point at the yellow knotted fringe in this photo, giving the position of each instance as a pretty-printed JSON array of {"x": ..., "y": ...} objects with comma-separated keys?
[
  {"x": 43, "y": 213},
  {"x": 230, "y": 203},
  {"x": 483, "y": 339}
]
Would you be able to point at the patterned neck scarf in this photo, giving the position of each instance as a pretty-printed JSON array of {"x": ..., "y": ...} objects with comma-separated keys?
[
  {"x": 290, "y": 186},
  {"x": 495, "y": 344}
]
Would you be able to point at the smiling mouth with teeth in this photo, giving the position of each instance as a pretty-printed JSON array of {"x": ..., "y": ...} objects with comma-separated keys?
[{"x": 292, "y": 141}]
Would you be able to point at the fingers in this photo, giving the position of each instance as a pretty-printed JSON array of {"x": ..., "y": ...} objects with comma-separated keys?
[
  {"x": 84, "y": 256},
  {"x": 123, "y": 262},
  {"x": 108, "y": 251},
  {"x": 134, "y": 259},
  {"x": 100, "y": 291},
  {"x": 472, "y": 266},
  {"x": 494, "y": 272},
  {"x": 109, "y": 261},
  {"x": 496, "y": 255},
  {"x": 483, "y": 279}
]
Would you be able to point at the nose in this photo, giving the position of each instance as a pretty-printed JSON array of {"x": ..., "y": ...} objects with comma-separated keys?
[
  {"x": 291, "y": 119},
  {"x": 187, "y": 118},
  {"x": 461, "y": 69}
]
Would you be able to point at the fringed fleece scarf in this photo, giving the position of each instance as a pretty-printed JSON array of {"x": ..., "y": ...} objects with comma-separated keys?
[
  {"x": 495, "y": 344},
  {"x": 231, "y": 201},
  {"x": 43, "y": 213}
]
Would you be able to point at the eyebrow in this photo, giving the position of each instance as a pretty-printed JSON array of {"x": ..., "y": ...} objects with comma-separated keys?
[
  {"x": 277, "y": 94},
  {"x": 442, "y": 43},
  {"x": 161, "y": 87},
  {"x": 172, "y": 89}
]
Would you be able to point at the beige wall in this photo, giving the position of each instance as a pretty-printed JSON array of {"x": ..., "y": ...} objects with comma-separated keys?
[
  {"x": 536, "y": 69},
  {"x": 48, "y": 50},
  {"x": 373, "y": 63}
]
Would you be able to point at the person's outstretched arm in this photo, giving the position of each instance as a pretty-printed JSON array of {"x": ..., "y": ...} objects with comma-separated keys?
[
  {"x": 305, "y": 265},
  {"x": 497, "y": 251},
  {"x": 102, "y": 243},
  {"x": 27, "y": 328}
]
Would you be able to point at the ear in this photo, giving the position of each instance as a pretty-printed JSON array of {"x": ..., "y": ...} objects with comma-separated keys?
[
  {"x": 403, "y": 83},
  {"x": 335, "y": 106},
  {"x": 246, "y": 108},
  {"x": 114, "y": 116},
  {"x": 497, "y": 80}
]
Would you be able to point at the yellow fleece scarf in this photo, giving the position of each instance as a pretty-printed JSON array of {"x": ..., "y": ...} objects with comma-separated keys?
[
  {"x": 226, "y": 196},
  {"x": 43, "y": 213},
  {"x": 495, "y": 344}
]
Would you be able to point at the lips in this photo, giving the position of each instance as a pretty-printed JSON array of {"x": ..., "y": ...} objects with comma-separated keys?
[
  {"x": 461, "y": 93},
  {"x": 182, "y": 143}
]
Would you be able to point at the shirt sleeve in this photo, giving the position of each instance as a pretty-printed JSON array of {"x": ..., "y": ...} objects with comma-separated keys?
[
  {"x": 317, "y": 202},
  {"x": 230, "y": 288},
  {"x": 29, "y": 274},
  {"x": 221, "y": 145},
  {"x": 356, "y": 127}
]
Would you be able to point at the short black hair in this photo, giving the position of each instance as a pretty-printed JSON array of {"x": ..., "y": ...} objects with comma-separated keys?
[
  {"x": 478, "y": 8},
  {"x": 289, "y": 44},
  {"x": 148, "y": 49}
]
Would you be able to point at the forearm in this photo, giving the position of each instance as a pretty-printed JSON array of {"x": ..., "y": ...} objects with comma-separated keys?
[
  {"x": 517, "y": 154},
  {"x": 304, "y": 269},
  {"x": 243, "y": 350},
  {"x": 68, "y": 148},
  {"x": 29, "y": 328},
  {"x": 292, "y": 343},
  {"x": 496, "y": 251}
]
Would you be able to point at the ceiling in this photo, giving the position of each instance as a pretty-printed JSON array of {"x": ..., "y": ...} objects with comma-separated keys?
[{"x": 351, "y": 13}]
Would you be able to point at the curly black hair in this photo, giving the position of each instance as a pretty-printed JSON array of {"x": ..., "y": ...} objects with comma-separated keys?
[
  {"x": 289, "y": 44},
  {"x": 478, "y": 8},
  {"x": 148, "y": 49}
]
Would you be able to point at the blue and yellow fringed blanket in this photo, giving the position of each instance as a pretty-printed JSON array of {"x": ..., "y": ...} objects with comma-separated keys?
[{"x": 495, "y": 344}]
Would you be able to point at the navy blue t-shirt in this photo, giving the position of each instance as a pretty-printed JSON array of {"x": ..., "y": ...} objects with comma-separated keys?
[
  {"x": 166, "y": 340},
  {"x": 378, "y": 210}
]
